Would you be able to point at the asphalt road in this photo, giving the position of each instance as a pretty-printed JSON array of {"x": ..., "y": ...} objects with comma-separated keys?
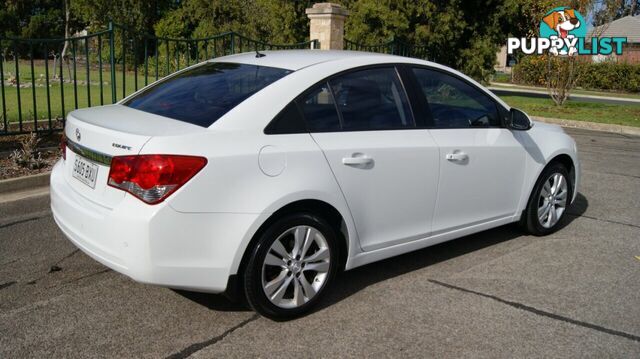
[{"x": 494, "y": 294}]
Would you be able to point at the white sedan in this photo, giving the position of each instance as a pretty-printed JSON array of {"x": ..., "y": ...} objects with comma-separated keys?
[{"x": 267, "y": 173}]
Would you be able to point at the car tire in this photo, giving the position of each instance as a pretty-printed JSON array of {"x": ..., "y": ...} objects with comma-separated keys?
[
  {"x": 549, "y": 201},
  {"x": 291, "y": 266}
]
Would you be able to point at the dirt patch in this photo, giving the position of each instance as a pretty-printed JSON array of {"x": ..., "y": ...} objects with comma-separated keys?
[
  {"x": 9, "y": 169},
  {"x": 48, "y": 147}
]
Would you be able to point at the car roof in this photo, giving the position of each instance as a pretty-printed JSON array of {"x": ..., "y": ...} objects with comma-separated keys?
[{"x": 298, "y": 59}]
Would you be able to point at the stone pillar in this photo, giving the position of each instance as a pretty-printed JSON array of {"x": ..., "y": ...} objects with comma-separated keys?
[{"x": 327, "y": 25}]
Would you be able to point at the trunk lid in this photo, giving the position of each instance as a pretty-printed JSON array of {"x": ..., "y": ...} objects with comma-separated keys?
[{"x": 97, "y": 134}]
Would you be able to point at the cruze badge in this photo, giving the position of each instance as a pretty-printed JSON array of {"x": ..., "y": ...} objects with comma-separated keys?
[{"x": 117, "y": 145}]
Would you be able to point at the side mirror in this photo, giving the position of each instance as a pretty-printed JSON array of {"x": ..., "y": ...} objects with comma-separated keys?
[{"x": 518, "y": 120}]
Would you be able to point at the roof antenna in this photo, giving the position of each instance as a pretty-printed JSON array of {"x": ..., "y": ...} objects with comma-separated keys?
[{"x": 258, "y": 54}]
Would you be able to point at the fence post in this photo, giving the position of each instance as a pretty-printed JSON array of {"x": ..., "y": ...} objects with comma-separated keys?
[
  {"x": 4, "y": 103},
  {"x": 112, "y": 62},
  {"x": 233, "y": 43},
  {"x": 393, "y": 45},
  {"x": 326, "y": 24}
]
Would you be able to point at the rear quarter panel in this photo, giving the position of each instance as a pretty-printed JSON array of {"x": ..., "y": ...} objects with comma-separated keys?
[{"x": 238, "y": 179}]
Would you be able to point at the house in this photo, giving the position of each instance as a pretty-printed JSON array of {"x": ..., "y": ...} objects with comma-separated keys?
[
  {"x": 629, "y": 27},
  {"x": 504, "y": 61}
]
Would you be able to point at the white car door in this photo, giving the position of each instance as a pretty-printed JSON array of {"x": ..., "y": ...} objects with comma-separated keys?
[
  {"x": 386, "y": 168},
  {"x": 481, "y": 163}
]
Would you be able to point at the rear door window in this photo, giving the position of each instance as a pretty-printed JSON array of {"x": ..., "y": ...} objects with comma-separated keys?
[
  {"x": 372, "y": 99},
  {"x": 202, "y": 95}
]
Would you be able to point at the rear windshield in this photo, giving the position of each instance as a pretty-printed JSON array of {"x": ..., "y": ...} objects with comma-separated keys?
[{"x": 201, "y": 96}]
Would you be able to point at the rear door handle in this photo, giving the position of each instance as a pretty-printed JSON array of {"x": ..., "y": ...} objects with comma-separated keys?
[
  {"x": 457, "y": 157},
  {"x": 357, "y": 160}
]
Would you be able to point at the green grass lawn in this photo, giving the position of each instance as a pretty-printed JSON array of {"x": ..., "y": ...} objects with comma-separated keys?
[
  {"x": 628, "y": 115},
  {"x": 39, "y": 70},
  {"x": 55, "y": 102},
  {"x": 83, "y": 91},
  {"x": 502, "y": 78},
  {"x": 504, "y": 84}
]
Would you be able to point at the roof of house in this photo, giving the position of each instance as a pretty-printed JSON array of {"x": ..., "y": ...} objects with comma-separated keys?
[{"x": 628, "y": 26}]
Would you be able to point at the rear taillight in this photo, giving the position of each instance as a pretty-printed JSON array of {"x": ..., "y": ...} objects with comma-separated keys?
[
  {"x": 152, "y": 178},
  {"x": 63, "y": 147}
]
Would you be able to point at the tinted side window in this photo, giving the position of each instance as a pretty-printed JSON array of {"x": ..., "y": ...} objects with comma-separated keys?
[
  {"x": 455, "y": 103},
  {"x": 203, "y": 94},
  {"x": 372, "y": 99},
  {"x": 289, "y": 120},
  {"x": 319, "y": 110}
]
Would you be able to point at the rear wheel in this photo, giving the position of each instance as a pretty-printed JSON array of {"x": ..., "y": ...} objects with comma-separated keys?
[
  {"x": 549, "y": 201},
  {"x": 291, "y": 266}
]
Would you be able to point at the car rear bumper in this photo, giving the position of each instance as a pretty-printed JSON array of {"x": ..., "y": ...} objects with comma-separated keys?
[{"x": 152, "y": 244}]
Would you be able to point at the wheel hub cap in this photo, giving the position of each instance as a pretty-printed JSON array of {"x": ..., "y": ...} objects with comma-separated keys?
[{"x": 296, "y": 267}]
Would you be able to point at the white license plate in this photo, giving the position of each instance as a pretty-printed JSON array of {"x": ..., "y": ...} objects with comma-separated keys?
[{"x": 85, "y": 171}]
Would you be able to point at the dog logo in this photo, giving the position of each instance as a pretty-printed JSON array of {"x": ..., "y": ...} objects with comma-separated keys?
[
  {"x": 563, "y": 31},
  {"x": 565, "y": 24}
]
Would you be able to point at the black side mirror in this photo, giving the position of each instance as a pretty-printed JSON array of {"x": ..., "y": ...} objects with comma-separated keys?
[{"x": 518, "y": 120}]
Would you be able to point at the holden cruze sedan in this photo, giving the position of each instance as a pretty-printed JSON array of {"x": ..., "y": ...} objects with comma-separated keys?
[{"x": 270, "y": 172}]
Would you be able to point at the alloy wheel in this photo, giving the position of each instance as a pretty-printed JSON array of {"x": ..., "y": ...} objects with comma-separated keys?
[
  {"x": 553, "y": 200},
  {"x": 296, "y": 267}
]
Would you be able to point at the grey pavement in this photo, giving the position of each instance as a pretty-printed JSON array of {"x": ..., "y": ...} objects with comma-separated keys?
[{"x": 498, "y": 293}]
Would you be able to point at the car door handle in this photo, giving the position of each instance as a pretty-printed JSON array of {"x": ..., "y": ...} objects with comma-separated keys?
[
  {"x": 357, "y": 160},
  {"x": 457, "y": 157}
]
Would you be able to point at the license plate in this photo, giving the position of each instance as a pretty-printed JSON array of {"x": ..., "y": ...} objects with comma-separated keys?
[{"x": 85, "y": 171}]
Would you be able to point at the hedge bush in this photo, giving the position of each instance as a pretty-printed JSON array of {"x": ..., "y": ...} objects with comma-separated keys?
[{"x": 609, "y": 76}]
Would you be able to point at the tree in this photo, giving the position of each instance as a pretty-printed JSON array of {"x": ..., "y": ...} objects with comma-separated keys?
[
  {"x": 273, "y": 21},
  {"x": 609, "y": 10},
  {"x": 67, "y": 34},
  {"x": 462, "y": 34},
  {"x": 563, "y": 72},
  {"x": 136, "y": 14},
  {"x": 31, "y": 18}
]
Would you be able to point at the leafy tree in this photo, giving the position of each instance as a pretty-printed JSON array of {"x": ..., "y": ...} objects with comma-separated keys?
[
  {"x": 609, "y": 10},
  {"x": 274, "y": 21},
  {"x": 136, "y": 14},
  {"x": 9, "y": 20},
  {"x": 462, "y": 34},
  {"x": 31, "y": 18}
]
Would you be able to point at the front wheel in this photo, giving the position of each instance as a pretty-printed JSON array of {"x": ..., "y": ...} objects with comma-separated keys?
[
  {"x": 291, "y": 266},
  {"x": 549, "y": 201}
]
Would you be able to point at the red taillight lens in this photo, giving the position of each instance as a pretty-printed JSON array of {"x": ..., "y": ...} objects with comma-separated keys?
[
  {"x": 63, "y": 147},
  {"x": 152, "y": 178}
]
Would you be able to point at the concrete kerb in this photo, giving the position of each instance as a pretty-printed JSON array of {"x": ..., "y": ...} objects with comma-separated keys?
[{"x": 24, "y": 183}]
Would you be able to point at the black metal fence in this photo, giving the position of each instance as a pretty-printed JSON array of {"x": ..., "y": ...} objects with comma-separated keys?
[
  {"x": 393, "y": 47},
  {"x": 43, "y": 79}
]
